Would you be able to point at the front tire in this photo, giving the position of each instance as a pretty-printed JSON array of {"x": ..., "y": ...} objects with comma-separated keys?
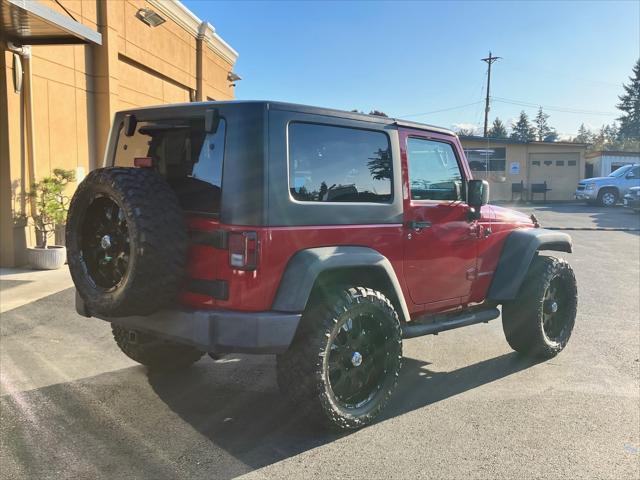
[
  {"x": 344, "y": 362},
  {"x": 540, "y": 320},
  {"x": 155, "y": 353},
  {"x": 607, "y": 198}
]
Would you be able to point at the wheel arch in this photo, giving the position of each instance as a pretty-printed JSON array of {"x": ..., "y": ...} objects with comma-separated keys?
[
  {"x": 606, "y": 188},
  {"x": 518, "y": 252},
  {"x": 312, "y": 270}
]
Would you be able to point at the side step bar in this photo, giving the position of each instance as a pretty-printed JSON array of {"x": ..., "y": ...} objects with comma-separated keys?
[{"x": 469, "y": 318}]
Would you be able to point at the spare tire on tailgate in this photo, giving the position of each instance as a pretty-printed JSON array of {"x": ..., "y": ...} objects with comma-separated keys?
[{"x": 126, "y": 241}]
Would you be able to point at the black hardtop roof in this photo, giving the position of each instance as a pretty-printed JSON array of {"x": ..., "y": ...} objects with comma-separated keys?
[{"x": 299, "y": 108}]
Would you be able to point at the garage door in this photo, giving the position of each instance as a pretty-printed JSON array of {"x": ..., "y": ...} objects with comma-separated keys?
[{"x": 561, "y": 171}]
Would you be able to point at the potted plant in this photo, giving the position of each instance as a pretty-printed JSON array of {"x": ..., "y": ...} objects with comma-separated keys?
[{"x": 50, "y": 210}]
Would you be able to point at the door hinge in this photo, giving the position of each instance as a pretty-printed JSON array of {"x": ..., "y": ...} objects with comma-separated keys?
[{"x": 472, "y": 273}]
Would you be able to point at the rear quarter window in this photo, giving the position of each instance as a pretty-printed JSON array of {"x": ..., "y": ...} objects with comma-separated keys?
[{"x": 339, "y": 164}]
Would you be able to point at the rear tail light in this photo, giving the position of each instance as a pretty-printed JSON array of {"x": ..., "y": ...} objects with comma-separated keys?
[
  {"x": 243, "y": 250},
  {"x": 143, "y": 162}
]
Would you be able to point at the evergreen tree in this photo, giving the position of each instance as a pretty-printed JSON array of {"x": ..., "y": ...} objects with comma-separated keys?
[
  {"x": 522, "y": 131},
  {"x": 498, "y": 130},
  {"x": 584, "y": 135},
  {"x": 466, "y": 132},
  {"x": 552, "y": 136},
  {"x": 630, "y": 106},
  {"x": 542, "y": 128}
]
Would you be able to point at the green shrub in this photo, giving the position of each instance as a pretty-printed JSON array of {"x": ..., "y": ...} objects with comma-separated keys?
[{"x": 51, "y": 203}]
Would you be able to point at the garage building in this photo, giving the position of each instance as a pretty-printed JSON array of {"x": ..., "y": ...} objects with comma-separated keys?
[
  {"x": 602, "y": 163},
  {"x": 509, "y": 165}
]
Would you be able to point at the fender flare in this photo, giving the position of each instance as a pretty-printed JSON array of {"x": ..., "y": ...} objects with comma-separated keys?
[
  {"x": 517, "y": 253},
  {"x": 610, "y": 187},
  {"x": 305, "y": 267}
]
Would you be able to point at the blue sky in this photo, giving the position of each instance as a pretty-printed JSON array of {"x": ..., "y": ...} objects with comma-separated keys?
[{"x": 408, "y": 58}]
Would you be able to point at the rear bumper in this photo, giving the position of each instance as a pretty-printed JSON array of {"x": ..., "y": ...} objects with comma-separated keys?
[{"x": 218, "y": 331}]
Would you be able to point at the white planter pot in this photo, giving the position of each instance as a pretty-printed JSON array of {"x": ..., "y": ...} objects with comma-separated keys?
[{"x": 50, "y": 258}]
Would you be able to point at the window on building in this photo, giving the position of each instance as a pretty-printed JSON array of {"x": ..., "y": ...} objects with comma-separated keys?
[
  {"x": 548, "y": 163},
  {"x": 535, "y": 163},
  {"x": 434, "y": 173},
  {"x": 559, "y": 163},
  {"x": 572, "y": 163},
  {"x": 487, "y": 159},
  {"x": 338, "y": 164}
]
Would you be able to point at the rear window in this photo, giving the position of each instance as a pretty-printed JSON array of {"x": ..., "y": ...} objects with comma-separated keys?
[
  {"x": 189, "y": 158},
  {"x": 338, "y": 164}
]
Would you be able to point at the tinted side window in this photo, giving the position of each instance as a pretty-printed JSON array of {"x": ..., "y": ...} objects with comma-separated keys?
[
  {"x": 338, "y": 164},
  {"x": 434, "y": 173}
]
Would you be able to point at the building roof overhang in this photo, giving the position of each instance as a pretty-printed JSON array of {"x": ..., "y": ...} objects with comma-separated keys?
[
  {"x": 612, "y": 153},
  {"x": 28, "y": 22}
]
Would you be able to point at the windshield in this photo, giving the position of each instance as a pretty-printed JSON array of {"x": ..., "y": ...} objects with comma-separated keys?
[{"x": 621, "y": 171}]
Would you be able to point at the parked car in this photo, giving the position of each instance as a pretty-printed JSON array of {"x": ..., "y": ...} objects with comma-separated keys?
[
  {"x": 609, "y": 190},
  {"x": 321, "y": 236},
  {"x": 632, "y": 199}
]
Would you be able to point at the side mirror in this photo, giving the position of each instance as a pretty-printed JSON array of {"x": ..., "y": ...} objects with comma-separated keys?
[{"x": 477, "y": 194}]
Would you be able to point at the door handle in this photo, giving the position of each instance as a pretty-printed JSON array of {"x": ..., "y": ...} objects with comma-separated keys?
[{"x": 418, "y": 225}]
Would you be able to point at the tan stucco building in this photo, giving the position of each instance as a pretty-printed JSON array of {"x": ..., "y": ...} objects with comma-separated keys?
[
  {"x": 67, "y": 67},
  {"x": 504, "y": 162}
]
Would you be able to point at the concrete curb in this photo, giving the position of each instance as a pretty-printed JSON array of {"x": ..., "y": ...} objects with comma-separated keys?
[{"x": 596, "y": 229}]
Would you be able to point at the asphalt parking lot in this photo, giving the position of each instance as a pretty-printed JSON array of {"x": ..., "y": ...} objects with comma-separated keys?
[{"x": 73, "y": 406}]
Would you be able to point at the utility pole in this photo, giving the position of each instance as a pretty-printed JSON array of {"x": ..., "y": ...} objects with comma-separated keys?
[{"x": 489, "y": 60}]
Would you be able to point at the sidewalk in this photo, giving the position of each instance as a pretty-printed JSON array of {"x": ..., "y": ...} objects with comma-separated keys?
[{"x": 19, "y": 286}]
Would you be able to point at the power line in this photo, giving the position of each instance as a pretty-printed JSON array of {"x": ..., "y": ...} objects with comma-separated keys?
[
  {"x": 441, "y": 110},
  {"x": 552, "y": 108}
]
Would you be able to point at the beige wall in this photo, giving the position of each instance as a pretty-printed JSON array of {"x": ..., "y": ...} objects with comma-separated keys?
[
  {"x": 562, "y": 185},
  {"x": 77, "y": 89}
]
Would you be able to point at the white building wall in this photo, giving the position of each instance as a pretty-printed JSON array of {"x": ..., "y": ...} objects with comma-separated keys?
[{"x": 608, "y": 161}]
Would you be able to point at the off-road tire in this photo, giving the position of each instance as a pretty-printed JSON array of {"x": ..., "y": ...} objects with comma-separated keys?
[
  {"x": 157, "y": 238},
  {"x": 302, "y": 371},
  {"x": 523, "y": 318},
  {"x": 603, "y": 199},
  {"x": 153, "y": 352}
]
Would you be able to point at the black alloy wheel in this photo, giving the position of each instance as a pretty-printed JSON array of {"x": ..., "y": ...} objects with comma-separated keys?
[
  {"x": 105, "y": 243},
  {"x": 539, "y": 321},
  {"x": 358, "y": 359},
  {"x": 344, "y": 362},
  {"x": 555, "y": 313}
]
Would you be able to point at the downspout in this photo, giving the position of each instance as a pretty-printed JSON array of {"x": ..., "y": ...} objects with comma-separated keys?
[
  {"x": 200, "y": 39},
  {"x": 27, "y": 97}
]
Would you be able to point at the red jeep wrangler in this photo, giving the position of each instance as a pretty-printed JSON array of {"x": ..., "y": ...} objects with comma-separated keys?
[{"x": 322, "y": 236}]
